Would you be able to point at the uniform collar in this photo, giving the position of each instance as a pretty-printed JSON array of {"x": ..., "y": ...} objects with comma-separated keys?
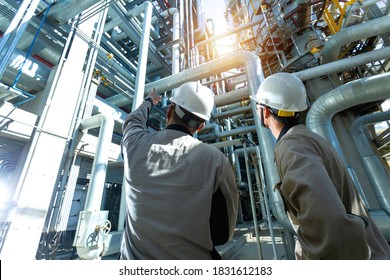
[
  {"x": 284, "y": 131},
  {"x": 179, "y": 127}
]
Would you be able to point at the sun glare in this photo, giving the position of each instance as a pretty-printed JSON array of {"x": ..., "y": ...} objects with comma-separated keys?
[{"x": 214, "y": 10}]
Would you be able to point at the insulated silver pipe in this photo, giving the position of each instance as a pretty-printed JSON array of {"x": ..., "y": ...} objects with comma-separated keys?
[
  {"x": 240, "y": 58},
  {"x": 353, "y": 33},
  {"x": 344, "y": 64},
  {"x": 200, "y": 32},
  {"x": 100, "y": 162},
  {"x": 216, "y": 134},
  {"x": 372, "y": 164},
  {"x": 231, "y": 97},
  {"x": 232, "y": 112},
  {"x": 365, "y": 90},
  {"x": 253, "y": 203},
  {"x": 175, "y": 37},
  {"x": 143, "y": 56}
]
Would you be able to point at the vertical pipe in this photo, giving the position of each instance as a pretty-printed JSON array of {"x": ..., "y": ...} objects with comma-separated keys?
[
  {"x": 267, "y": 205},
  {"x": 365, "y": 90},
  {"x": 143, "y": 56},
  {"x": 253, "y": 203},
  {"x": 191, "y": 33},
  {"x": 188, "y": 10},
  {"x": 181, "y": 10},
  {"x": 372, "y": 163},
  {"x": 99, "y": 167},
  {"x": 175, "y": 47}
]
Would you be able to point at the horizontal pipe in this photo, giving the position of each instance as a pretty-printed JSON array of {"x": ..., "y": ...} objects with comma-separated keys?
[{"x": 354, "y": 33}]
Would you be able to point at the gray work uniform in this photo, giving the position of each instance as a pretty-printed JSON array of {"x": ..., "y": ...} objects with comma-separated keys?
[
  {"x": 181, "y": 194},
  {"x": 322, "y": 201}
]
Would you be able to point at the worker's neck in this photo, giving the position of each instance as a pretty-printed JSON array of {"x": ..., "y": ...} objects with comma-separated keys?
[{"x": 276, "y": 128}]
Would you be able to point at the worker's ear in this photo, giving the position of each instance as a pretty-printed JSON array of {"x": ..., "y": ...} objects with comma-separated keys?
[
  {"x": 170, "y": 111},
  {"x": 266, "y": 112}
]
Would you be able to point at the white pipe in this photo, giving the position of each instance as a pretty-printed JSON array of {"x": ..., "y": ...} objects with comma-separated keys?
[
  {"x": 200, "y": 32},
  {"x": 99, "y": 167},
  {"x": 231, "y": 97},
  {"x": 245, "y": 58},
  {"x": 175, "y": 37},
  {"x": 344, "y": 64},
  {"x": 143, "y": 56}
]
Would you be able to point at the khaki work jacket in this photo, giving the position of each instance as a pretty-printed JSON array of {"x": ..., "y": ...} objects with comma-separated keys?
[{"x": 322, "y": 201}]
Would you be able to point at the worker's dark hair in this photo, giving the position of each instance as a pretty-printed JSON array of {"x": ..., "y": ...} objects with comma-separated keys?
[
  {"x": 291, "y": 121},
  {"x": 186, "y": 117}
]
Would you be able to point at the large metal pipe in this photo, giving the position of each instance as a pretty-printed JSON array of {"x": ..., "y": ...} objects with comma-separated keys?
[
  {"x": 373, "y": 166},
  {"x": 129, "y": 28},
  {"x": 233, "y": 112},
  {"x": 343, "y": 64},
  {"x": 143, "y": 55},
  {"x": 365, "y": 90},
  {"x": 100, "y": 163},
  {"x": 224, "y": 63},
  {"x": 200, "y": 32},
  {"x": 353, "y": 33},
  {"x": 231, "y": 97},
  {"x": 217, "y": 134},
  {"x": 175, "y": 37}
]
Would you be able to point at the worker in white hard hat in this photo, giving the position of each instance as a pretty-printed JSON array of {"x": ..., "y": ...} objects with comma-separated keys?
[
  {"x": 319, "y": 195},
  {"x": 181, "y": 194}
]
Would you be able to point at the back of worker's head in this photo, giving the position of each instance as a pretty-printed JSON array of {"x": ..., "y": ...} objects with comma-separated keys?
[
  {"x": 193, "y": 103},
  {"x": 284, "y": 94}
]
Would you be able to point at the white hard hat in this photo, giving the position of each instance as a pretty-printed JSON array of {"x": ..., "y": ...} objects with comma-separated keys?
[
  {"x": 282, "y": 91},
  {"x": 195, "y": 98}
]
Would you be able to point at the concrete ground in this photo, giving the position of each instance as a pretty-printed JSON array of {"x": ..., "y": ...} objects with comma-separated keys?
[{"x": 243, "y": 245}]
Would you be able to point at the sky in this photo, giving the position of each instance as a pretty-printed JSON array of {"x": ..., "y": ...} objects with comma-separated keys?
[{"x": 215, "y": 9}]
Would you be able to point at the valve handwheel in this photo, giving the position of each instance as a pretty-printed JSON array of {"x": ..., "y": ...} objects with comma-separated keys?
[{"x": 106, "y": 228}]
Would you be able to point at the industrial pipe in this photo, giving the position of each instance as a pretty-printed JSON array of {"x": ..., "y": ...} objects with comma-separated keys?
[
  {"x": 373, "y": 166},
  {"x": 143, "y": 56},
  {"x": 353, "y": 33},
  {"x": 365, "y": 90},
  {"x": 99, "y": 167},
  {"x": 343, "y": 64}
]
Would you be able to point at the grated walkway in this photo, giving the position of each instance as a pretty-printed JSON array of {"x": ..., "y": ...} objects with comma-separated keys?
[{"x": 243, "y": 246}]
